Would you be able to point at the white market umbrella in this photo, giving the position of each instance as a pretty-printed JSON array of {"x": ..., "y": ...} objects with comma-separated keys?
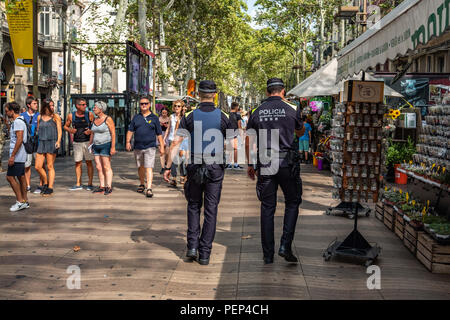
[
  {"x": 323, "y": 83},
  {"x": 320, "y": 83}
]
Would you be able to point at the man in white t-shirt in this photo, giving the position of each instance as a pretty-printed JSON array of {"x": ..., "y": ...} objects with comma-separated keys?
[{"x": 17, "y": 156}]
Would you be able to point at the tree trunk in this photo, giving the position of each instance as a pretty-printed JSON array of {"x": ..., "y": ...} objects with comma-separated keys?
[
  {"x": 191, "y": 68},
  {"x": 1, "y": 34},
  {"x": 304, "y": 58},
  {"x": 322, "y": 30},
  {"x": 162, "y": 42},
  {"x": 107, "y": 63},
  {"x": 142, "y": 17}
]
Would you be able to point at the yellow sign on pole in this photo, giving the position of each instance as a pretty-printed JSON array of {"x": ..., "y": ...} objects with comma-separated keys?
[{"x": 20, "y": 23}]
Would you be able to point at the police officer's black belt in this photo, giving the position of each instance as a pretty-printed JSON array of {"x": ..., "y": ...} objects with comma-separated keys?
[{"x": 280, "y": 155}]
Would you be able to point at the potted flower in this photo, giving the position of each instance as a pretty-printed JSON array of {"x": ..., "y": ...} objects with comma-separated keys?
[
  {"x": 443, "y": 231},
  {"x": 407, "y": 209},
  {"x": 430, "y": 219},
  {"x": 394, "y": 197},
  {"x": 416, "y": 220},
  {"x": 398, "y": 153}
]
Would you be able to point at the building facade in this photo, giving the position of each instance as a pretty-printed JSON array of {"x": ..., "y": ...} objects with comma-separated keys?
[{"x": 17, "y": 82}]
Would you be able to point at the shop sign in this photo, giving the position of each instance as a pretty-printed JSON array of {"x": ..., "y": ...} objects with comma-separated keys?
[{"x": 418, "y": 23}]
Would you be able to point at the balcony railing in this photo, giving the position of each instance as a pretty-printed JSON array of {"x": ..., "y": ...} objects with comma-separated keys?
[{"x": 51, "y": 42}]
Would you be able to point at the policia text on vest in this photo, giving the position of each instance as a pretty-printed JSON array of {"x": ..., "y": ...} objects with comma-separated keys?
[{"x": 287, "y": 120}]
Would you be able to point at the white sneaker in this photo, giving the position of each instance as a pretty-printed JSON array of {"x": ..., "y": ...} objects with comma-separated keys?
[
  {"x": 26, "y": 205},
  {"x": 17, "y": 206}
]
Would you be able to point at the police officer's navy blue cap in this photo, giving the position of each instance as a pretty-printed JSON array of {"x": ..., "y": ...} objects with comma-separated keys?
[
  {"x": 275, "y": 82},
  {"x": 207, "y": 86}
]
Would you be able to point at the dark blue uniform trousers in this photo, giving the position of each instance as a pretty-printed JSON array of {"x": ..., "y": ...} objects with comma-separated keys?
[
  {"x": 201, "y": 238},
  {"x": 266, "y": 189}
]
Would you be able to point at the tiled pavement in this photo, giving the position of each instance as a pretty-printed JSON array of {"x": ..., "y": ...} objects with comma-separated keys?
[{"x": 133, "y": 247}]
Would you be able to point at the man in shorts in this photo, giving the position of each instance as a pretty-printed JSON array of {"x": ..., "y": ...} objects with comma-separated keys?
[
  {"x": 31, "y": 116},
  {"x": 146, "y": 129},
  {"x": 17, "y": 157},
  {"x": 305, "y": 140},
  {"x": 79, "y": 124}
]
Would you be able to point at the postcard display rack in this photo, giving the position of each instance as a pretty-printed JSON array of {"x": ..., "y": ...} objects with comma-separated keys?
[
  {"x": 433, "y": 150},
  {"x": 357, "y": 158}
]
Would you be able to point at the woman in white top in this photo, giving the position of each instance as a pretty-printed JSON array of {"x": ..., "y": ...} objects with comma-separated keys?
[
  {"x": 103, "y": 141},
  {"x": 170, "y": 133}
]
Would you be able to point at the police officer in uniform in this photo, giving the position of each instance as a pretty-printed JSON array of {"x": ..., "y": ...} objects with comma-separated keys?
[
  {"x": 205, "y": 171},
  {"x": 282, "y": 169}
]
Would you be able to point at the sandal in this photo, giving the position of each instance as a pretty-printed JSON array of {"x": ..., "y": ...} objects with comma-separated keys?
[
  {"x": 148, "y": 193},
  {"x": 141, "y": 188},
  {"x": 99, "y": 190}
]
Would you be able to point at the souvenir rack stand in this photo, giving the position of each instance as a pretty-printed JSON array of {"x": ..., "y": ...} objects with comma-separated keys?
[{"x": 357, "y": 136}]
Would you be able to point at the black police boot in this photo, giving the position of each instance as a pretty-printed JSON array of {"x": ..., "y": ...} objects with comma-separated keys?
[
  {"x": 192, "y": 253},
  {"x": 203, "y": 260},
  {"x": 268, "y": 260},
  {"x": 287, "y": 254}
]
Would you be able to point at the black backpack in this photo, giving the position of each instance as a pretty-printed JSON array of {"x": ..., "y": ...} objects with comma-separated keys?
[{"x": 31, "y": 143}]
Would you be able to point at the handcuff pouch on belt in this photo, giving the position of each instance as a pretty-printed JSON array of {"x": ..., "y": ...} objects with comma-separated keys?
[
  {"x": 293, "y": 158},
  {"x": 201, "y": 174}
]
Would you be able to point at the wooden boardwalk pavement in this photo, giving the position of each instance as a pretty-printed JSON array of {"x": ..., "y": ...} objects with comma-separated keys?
[{"x": 134, "y": 248}]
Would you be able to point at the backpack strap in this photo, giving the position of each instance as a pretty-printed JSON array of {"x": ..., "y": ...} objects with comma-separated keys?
[
  {"x": 26, "y": 125},
  {"x": 86, "y": 116}
]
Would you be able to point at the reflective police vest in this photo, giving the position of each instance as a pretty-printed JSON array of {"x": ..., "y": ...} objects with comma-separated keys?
[{"x": 207, "y": 138}]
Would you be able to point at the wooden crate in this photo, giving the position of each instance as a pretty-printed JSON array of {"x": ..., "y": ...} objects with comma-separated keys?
[
  {"x": 435, "y": 257},
  {"x": 389, "y": 217},
  {"x": 399, "y": 226},
  {"x": 410, "y": 238},
  {"x": 379, "y": 211}
]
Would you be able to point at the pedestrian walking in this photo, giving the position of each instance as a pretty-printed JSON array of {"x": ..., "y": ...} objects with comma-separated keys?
[
  {"x": 277, "y": 116},
  {"x": 146, "y": 129},
  {"x": 164, "y": 122},
  {"x": 236, "y": 124},
  {"x": 205, "y": 172},
  {"x": 103, "y": 141},
  {"x": 305, "y": 140},
  {"x": 184, "y": 151},
  {"x": 244, "y": 119},
  {"x": 17, "y": 156},
  {"x": 49, "y": 134},
  {"x": 79, "y": 124},
  {"x": 31, "y": 117},
  {"x": 170, "y": 135},
  {"x": 3, "y": 128}
]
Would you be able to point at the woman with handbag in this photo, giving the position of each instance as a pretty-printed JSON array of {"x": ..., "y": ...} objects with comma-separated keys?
[{"x": 49, "y": 131}]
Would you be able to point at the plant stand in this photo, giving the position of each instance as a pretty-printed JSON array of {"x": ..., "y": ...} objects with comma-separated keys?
[
  {"x": 355, "y": 246},
  {"x": 346, "y": 209}
]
